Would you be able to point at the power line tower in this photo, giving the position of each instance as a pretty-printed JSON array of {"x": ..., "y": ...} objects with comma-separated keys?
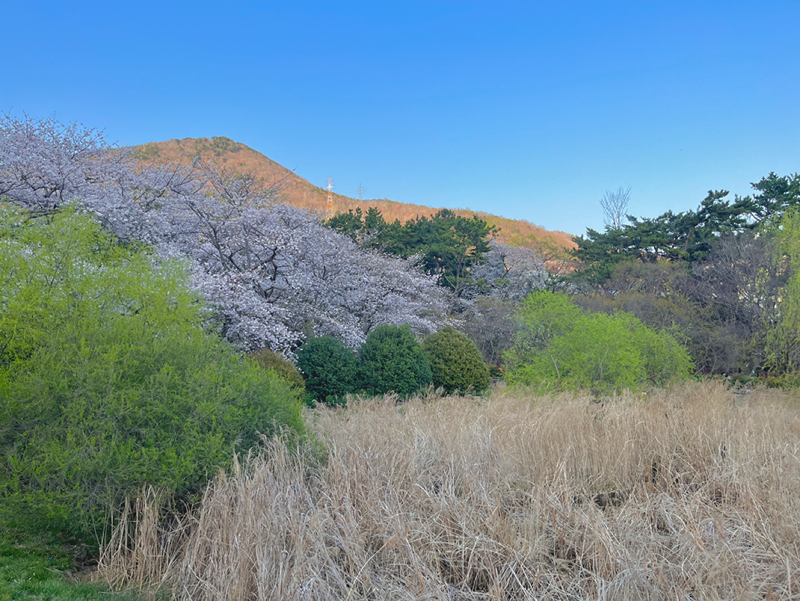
[
  {"x": 329, "y": 206},
  {"x": 360, "y": 192}
]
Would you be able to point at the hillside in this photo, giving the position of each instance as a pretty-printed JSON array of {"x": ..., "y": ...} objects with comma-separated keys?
[{"x": 299, "y": 192}]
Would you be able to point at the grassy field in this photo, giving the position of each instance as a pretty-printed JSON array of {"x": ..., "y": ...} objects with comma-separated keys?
[
  {"x": 35, "y": 569},
  {"x": 686, "y": 494}
]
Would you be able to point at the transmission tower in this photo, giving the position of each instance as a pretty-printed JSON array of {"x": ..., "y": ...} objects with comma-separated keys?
[
  {"x": 360, "y": 192},
  {"x": 329, "y": 206}
]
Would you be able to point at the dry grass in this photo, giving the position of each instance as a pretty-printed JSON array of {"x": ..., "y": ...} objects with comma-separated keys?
[{"x": 692, "y": 494}]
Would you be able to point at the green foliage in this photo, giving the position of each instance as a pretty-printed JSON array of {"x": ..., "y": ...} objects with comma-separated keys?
[
  {"x": 218, "y": 145},
  {"x": 330, "y": 369},
  {"x": 658, "y": 295},
  {"x": 359, "y": 226},
  {"x": 782, "y": 339},
  {"x": 147, "y": 152},
  {"x": 774, "y": 196},
  {"x": 42, "y": 568},
  {"x": 448, "y": 245},
  {"x": 282, "y": 367},
  {"x": 559, "y": 347},
  {"x": 391, "y": 360},
  {"x": 108, "y": 380},
  {"x": 456, "y": 362},
  {"x": 688, "y": 236},
  {"x": 732, "y": 303}
]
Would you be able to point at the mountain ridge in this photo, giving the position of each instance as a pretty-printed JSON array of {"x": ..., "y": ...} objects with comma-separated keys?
[{"x": 293, "y": 189}]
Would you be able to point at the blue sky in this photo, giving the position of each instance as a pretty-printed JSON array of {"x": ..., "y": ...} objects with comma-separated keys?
[{"x": 529, "y": 110}]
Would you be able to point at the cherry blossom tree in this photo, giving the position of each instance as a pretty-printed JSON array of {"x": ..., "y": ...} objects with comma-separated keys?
[
  {"x": 507, "y": 272},
  {"x": 272, "y": 273},
  {"x": 276, "y": 266}
]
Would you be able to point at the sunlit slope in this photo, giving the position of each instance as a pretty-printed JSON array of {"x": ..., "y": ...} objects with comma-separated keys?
[{"x": 299, "y": 192}]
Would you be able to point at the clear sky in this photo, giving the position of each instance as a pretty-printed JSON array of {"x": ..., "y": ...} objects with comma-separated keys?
[{"x": 529, "y": 110}]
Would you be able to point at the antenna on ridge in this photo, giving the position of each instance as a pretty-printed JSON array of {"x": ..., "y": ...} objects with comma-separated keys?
[
  {"x": 360, "y": 192},
  {"x": 329, "y": 206}
]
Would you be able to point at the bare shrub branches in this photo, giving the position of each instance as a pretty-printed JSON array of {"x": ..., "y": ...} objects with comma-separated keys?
[{"x": 615, "y": 207}]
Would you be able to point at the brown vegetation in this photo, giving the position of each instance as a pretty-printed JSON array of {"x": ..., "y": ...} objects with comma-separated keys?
[
  {"x": 688, "y": 494},
  {"x": 299, "y": 192}
]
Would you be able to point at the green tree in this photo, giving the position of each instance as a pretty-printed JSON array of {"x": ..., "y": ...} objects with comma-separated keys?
[
  {"x": 359, "y": 226},
  {"x": 391, "y": 360},
  {"x": 713, "y": 309},
  {"x": 108, "y": 380},
  {"x": 448, "y": 245},
  {"x": 559, "y": 346},
  {"x": 688, "y": 236},
  {"x": 774, "y": 196},
  {"x": 329, "y": 368},
  {"x": 456, "y": 362}
]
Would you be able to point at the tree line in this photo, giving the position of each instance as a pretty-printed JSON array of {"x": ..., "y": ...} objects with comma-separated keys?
[
  {"x": 722, "y": 276},
  {"x": 718, "y": 278}
]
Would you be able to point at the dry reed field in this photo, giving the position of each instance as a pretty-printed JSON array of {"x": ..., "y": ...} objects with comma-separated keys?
[{"x": 688, "y": 494}]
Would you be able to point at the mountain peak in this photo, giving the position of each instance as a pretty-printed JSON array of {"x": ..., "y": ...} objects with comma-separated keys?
[{"x": 295, "y": 190}]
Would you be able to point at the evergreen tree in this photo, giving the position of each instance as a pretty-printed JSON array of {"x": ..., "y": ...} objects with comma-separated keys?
[
  {"x": 391, "y": 360},
  {"x": 329, "y": 368},
  {"x": 456, "y": 363}
]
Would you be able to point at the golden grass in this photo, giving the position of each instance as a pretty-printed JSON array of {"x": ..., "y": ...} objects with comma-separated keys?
[{"x": 689, "y": 494}]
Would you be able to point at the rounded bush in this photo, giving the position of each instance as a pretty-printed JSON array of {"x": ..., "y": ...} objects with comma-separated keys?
[
  {"x": 329, "y": 369},
  {"x": 456, "y": 362},
  {"x": 283, "y": 368},
  {"x": 391, "y": 360}
]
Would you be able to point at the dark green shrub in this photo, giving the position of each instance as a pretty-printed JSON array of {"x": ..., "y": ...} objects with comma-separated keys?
[
  {"x": 456, "y": 362},
  {"x": 329, "y": 369},
  {"x": 283, "y": 368},
  {"x": 391, "y": 360},
  {"x": 108, "y": 381}
]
